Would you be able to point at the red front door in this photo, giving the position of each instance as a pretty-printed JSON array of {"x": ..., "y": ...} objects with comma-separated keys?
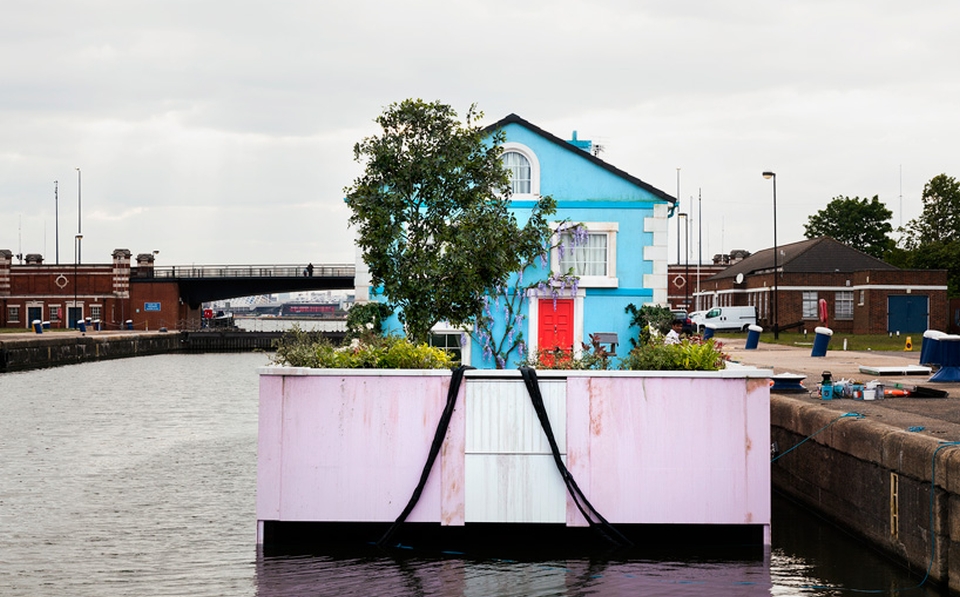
[{"x": 555, "y": 325}]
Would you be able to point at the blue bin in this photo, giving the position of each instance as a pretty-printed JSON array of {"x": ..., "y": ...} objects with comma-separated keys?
[
  {"x": 949, "y": 360},
  {"x": 82, "y": 326},
  {"x": 96, "y": 324},
  {"x": 821, "y": 341},
  {"x": 37, "y": 326},
  {"x": 129, "y": 324},
  {"x": 46, "y": 325},
  {"x": 708, "y": 331},
  {"x": 753, "y": 337},
  {"x": 930, "y": 347}
]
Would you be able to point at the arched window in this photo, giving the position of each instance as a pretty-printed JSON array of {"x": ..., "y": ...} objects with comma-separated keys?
[{"x": 520, "y": 172}]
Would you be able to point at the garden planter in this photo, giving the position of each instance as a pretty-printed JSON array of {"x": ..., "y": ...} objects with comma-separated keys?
[{"x": 644, "y": 447}]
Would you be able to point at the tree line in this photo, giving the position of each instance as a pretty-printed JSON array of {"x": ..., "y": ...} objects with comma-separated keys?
[{"x": 929, "y": 241}]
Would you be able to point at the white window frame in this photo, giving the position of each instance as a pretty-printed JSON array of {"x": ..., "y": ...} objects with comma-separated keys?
[
  {"x": 806, "y": 311},
  {"x": 445, "y": 329},
  {"x": 610, "y": 280},
  {"x": 843, "y": 297},
  {"x": 11, "y": 309},
  {"x": 96, "y": 311},
  {"x": 534, "y": 169}
]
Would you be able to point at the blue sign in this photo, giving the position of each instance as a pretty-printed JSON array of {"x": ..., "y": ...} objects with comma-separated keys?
[{"x": 151, "y": 306}]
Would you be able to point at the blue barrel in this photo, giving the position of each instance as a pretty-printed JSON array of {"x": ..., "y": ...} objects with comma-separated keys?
[
  {"x": 37, "y": 326},
  {"x": 753, "y": 337},
  {"x": 820, "y": 341},
  {"x": 96, "y": 324},
  {"x": 708, "y": 331},
  {"x": 46, "y": 325},
  {"x": 129, "y": 324},
  {"x": 930, "y": 348},
  {"x": 949, "y": 359},
  {"x": 82, "y": 326}
]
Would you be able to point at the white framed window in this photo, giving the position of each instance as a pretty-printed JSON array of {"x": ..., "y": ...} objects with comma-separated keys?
[
  {"x": 519, "y": 167},
  {"x": 810, "y": 305},
  {"x": 451, "y": 342},
  {"x": 54, "y": 312},
  {"x": 861, "y": 297},
  {"x": 13, "y": 314},
  {"x": 592, "y": 257},
  {"x": 843, "y": 307},
  {"x": 95, "y": 311},
  {"x": 524, "y": 168}
]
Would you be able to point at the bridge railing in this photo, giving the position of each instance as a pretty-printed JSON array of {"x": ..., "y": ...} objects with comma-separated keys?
[{"x": 253, "y": 271}]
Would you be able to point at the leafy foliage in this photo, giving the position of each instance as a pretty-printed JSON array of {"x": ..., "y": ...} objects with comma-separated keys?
[
  {"x": 500, "y": 342},
  {"x": 431, "y": 211},
  {"x": 932, "y": 240},
  {"x": 298, "y": 348},
  {"x": 647, "y": 318},
  {"x": 859, "y": 223},
  {"x": 593, "y": 357},
  {"x": 691, "y": 354},
  {"x": 365, "y": 320},
  {"x": 939, "y": 222}
]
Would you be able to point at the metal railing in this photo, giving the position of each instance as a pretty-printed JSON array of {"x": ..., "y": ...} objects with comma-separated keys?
[{"x": 247, "y": 271}]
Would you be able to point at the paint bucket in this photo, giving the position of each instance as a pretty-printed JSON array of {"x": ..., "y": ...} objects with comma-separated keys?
[
  {"x": 753, "y": 337},
  {"x": 820, "y": 342}
]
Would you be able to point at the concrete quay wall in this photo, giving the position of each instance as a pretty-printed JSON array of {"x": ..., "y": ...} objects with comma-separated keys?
[
  {"x": 873, "y": 479},
  {"x": 25, "y": 352}
]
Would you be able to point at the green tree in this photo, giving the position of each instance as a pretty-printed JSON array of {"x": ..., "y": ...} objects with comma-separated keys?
[
  {"x": 431, "y": 212},
  {"x": 859, "y": 223},
  {"x": 939, "y": 222},
  {"x": 932, "y": 240}
]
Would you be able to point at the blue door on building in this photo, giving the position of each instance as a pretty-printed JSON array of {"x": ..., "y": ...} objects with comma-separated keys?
[{"x": 908, "y": 313}]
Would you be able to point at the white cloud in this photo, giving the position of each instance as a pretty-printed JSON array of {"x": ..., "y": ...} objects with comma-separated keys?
[{"x": 222, "y": 131}]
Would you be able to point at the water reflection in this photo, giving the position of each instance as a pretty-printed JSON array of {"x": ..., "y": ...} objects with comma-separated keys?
[{"x": 383, "y": 574}]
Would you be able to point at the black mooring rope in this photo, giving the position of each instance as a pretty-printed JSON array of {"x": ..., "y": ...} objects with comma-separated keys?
[
  {"x": 452, "y": 392},
  {"x": 594, "y": 518}
]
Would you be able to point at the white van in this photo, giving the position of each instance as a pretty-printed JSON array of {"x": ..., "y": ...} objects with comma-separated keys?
[{"x": 725, "y": 318}]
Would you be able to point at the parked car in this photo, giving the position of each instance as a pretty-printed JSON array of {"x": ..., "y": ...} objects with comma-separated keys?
[
  {"x": 688, "y": 327},
  {"x": 725, "y": 318}
]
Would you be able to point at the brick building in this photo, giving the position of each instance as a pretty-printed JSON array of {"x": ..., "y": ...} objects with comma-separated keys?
[
  {"x": 113, "y": 293},
  {"x": 684, "y": 280},
  {"x": 863, "y": 295}
]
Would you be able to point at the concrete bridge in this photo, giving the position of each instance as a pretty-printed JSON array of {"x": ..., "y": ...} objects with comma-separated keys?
[{"x": 203, "y": 283}]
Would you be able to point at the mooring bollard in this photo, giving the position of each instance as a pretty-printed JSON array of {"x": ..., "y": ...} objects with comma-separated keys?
[
  {"x": 753, "y": 337},
  {"x": 37, "y": 326},
  {"x": 820, "y": 341},
  {"x": 708, "y": 331}
]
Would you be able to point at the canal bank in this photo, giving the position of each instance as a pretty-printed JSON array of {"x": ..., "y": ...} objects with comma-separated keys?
[
  {"x": 887, "y": 470},
  {"x": 21, "y": 352}
]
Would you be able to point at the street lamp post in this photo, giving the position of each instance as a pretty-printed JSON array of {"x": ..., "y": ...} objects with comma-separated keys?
[
  {"x": 686, "y": 273},
  {"x": 79, "y": 231},
  {"x": 76, "y": 262},
  {"x": 776, "y": 256}
]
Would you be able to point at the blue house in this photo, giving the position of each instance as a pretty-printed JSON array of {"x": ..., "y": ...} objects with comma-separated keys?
[{"x": 621, "y": 259}]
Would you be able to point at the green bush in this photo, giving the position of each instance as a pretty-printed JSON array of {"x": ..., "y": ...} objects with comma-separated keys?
[
  {"x": 687, "y": 356},
  {"x": 298, "y": 348}
]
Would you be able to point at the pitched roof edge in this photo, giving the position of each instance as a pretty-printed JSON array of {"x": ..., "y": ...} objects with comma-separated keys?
[{"x": 514, "y": 119}]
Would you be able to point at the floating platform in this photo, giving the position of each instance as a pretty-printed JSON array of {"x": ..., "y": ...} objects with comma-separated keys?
[{"x": 673, "y": 449}]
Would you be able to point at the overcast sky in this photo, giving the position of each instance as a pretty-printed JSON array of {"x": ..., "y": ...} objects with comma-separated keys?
[{"x": 222, "y": 131}]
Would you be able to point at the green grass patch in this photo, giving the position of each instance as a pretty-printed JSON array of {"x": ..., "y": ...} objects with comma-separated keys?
[{"x": 863, "y": 342}]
